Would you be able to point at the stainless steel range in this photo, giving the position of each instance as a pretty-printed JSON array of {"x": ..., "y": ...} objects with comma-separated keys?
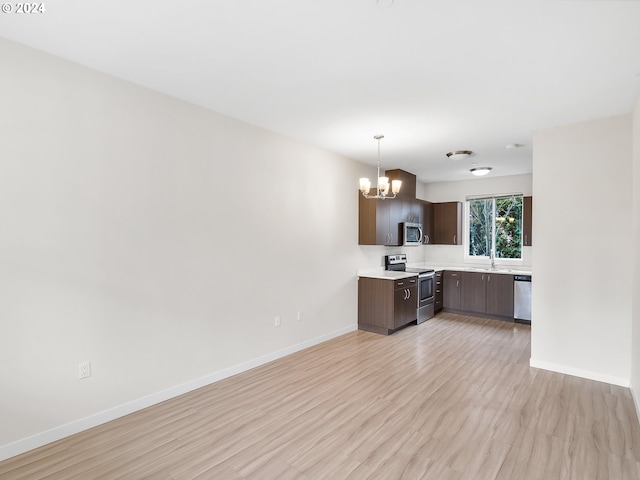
[{"x": 426, "y": 281}]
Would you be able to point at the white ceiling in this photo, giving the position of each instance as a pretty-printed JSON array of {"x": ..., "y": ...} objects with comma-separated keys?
[{"x": 432, "y": 76}]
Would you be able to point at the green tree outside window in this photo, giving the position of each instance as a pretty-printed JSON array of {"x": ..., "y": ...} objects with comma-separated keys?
[{"x": 495, "y": 223}]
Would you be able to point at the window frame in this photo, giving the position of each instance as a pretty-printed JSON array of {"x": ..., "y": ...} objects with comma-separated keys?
[{"x": 485, "y": 259}]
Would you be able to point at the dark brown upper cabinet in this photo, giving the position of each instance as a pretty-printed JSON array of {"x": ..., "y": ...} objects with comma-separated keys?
[
  {"x": 408, "y": 187},
  {"x": 427, "y": 222},
  {"x": 380, "y": 221},
  {"x": 527, "y": 210},
  {"x": 447, "y": 223}
]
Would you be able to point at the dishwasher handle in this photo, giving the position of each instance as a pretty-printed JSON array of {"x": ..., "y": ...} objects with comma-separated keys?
[{"x": 522, "y": 278}]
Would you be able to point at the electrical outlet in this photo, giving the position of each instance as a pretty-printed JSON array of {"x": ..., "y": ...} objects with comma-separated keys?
[
  {"x": 84, "y": 369},
  {"x": 277, "y": 322},
  {"x": 300, "y": 316}
]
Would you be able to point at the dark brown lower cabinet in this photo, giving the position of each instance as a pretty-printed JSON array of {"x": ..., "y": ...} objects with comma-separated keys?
[
  {"x": 438, "y": 291},
  {"x": 476, "y": 293},
  {"x": 474, "y": 297},
  {"x": 451, "y": 290},
  {"x": 386, "y": 305},
  {"x": 500, "y": 295}
]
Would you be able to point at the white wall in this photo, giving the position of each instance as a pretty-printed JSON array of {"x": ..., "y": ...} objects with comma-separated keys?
[
  {"x": 457, "y": 192},
  {"x": 635, "y": 339},
  {"x": 157, "y": 240},
  {"x": 582, "y": 219}
]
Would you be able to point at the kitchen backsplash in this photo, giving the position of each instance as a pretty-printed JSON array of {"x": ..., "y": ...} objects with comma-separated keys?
[{"x": 454, "y": 255}]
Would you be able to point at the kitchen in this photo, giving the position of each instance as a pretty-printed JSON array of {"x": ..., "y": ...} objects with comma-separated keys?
[{"x": 460, "y": 269}]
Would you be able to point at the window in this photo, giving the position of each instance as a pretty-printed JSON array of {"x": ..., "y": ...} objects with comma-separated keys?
[{"x": 495, "y": 223}]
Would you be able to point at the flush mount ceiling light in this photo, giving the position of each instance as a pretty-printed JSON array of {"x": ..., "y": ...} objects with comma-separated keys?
[
  {"x": 382, "y": 190},
  {"x": 480, "y": 171},
  {"x": 459, "y": 154}
]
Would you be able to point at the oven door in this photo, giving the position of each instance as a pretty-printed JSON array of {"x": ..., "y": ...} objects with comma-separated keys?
[
  {"x": 426, "y": 296},
  {"x": 426, "y": 288}
]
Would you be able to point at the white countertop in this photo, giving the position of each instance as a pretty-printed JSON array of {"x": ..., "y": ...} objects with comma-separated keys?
[
  {"x": 480, "y": 268},
  {"x": 383, "y": 274}
]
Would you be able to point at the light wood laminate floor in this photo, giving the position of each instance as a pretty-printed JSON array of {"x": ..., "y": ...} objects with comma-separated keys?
[{"x": 453, "y": 398}]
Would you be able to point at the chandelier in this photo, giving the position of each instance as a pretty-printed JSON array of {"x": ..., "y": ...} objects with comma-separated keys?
[{"x": 382, "y": 190}]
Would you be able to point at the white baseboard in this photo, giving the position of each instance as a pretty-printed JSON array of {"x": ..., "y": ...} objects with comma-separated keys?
[
  {"x": 636, "y": 401},
  {"x": 577, "y": 372},
  {"x": 62, "y": 431}
]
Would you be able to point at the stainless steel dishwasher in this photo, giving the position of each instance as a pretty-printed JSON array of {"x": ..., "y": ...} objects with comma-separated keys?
[{"x": 522, "y": 298}]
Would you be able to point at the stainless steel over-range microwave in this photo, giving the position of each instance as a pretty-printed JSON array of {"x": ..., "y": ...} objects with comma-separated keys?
[{"x": 412, "y": 233}]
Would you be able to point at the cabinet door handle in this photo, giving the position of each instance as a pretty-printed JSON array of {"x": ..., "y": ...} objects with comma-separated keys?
[
  {"x": 454, "y": 239},
  {"x": 408, "y": 294},
  {"x": 457, "y": 283},
  {"x": 525, "y": 239},
  {"x": 488, "y": 278},
  {"x": 427, "y": 238},
  {"x": 400, "y": 284},
  {"x": 483, "y": 277}
]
